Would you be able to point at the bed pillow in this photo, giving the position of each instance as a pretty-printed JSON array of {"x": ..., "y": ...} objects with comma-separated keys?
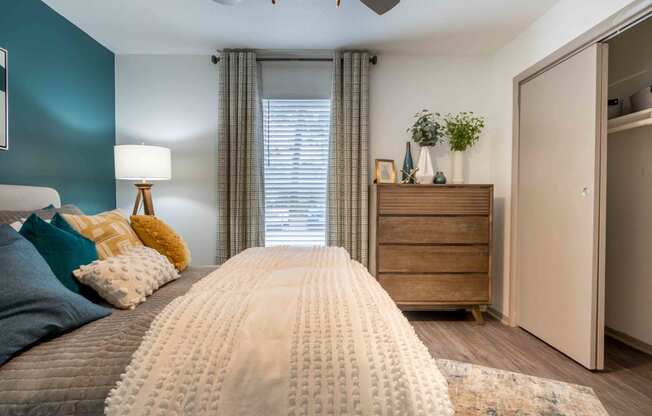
[
  {"x": 126, "y": 280},
  {"x": 62, "y": 250},
  {"x": 33, "y": 303},
  {"x": 161, "y": 237},
  {"x": 9, "y": 217},
  {"x": 110, "y": 231}
]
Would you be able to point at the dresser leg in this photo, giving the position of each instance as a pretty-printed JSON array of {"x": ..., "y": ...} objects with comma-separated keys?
[{"x": 477, "y": 315}]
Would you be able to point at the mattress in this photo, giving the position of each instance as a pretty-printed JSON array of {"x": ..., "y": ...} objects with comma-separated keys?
[{"x": 74, "y": 373}]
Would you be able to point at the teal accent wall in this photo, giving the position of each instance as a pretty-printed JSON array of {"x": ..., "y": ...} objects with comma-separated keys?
[{"x": 61, "y": 106}]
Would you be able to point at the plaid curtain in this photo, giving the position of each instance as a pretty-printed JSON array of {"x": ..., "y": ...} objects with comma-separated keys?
[
  {"x": 348, "y": 170},
  {"x": 240, "y": 176}
]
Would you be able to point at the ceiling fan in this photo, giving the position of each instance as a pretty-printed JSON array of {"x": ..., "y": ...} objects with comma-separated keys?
[{"x": 378, "y": 6}]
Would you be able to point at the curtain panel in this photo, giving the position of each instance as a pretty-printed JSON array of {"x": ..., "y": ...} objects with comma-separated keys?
[
  {"x": 240, "y": 175},
  {"x": 348, "y": 176}
]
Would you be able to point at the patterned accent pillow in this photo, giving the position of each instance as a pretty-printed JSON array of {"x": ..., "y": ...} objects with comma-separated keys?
[
  {"x": 161, "y": 237},
  {"x": 110, "y": 231},
  {"x": 126, "y": 280}
]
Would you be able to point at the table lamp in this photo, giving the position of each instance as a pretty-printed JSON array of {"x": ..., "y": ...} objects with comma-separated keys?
[{"x": 143, "y": 163}]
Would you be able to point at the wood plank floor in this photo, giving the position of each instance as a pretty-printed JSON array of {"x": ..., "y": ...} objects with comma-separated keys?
[{"x": 624, "y": 387}]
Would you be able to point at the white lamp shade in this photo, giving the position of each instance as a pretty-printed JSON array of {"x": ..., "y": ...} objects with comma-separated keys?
[{"x": 140, "y": 162}]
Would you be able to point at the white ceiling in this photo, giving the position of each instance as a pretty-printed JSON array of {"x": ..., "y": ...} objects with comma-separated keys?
[{"x": 461, "y": 27}]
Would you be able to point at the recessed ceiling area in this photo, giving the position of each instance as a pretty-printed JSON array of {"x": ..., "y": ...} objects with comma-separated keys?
[{"x": 456, "y": 27}]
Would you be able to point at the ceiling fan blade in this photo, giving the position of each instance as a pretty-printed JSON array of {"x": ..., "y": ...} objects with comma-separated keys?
[{"x": 380, "y": 6}]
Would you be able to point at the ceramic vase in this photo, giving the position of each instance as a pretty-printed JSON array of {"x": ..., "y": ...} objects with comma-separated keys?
[
  {"x": 440, "y": 178},
  {"x": 425, "y": 172},
  {"x": 408, "y": 166},
  {"x": 458, "y": 167}
]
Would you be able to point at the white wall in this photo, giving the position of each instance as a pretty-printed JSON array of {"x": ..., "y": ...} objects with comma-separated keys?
[
  {"x": 401, "y": 85},
  {"x": 628, "y": 278},
  {"x": 172, "y": 101}
]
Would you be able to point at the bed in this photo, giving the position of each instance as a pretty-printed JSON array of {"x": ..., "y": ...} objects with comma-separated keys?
[{"x": 272, "y": 331}]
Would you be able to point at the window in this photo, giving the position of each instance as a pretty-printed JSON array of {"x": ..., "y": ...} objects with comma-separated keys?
[{"x": 296, "y": 167}]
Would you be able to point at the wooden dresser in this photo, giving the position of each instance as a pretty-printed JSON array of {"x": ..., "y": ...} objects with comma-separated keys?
[{"x": 431, "y": 245}]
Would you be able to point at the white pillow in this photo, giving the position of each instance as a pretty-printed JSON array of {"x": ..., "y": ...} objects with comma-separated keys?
[{"x": 126, "y": 280}]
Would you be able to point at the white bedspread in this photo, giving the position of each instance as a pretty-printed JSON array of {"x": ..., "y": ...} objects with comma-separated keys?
[{"x": 282, "y": 331}]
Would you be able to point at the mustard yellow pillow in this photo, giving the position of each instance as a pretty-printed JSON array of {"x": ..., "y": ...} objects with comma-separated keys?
[
  {"x": 162, "y": 238},
  {"x": 109, "y": 230}
]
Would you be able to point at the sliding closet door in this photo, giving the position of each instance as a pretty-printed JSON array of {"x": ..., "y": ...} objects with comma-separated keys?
[{"x": 558, "y": 208}]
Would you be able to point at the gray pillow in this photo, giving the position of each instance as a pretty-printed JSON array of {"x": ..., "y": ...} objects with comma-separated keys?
[
  {"x": 33, "y": 303},
  {"x": 8, "y": 217}
]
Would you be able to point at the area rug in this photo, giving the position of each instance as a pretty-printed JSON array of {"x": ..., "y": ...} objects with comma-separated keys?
[{"x": 477, "y": 390}]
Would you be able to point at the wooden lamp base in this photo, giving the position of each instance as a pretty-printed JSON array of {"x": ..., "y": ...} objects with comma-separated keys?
[{"x": 144, "y": 196}]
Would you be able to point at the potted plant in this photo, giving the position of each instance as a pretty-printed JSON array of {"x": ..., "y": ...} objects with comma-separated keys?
[
  {"x": 463, "y": 132},
  {"x": 426, "y": 132}
]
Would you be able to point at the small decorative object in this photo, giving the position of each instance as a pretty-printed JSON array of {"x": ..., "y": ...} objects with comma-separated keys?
[
  {"x": 407, "y": 174},
  {"x": 143, "y": 163},
  {"x": 425, "y": 173},
  {"x": 411, "y": 179},
  {"x": 426, "y": 133},
  {"x": 4, "y": 102},
  {"x": 385, "y": 171},
  {"x": 440, "y": 178},
  {"x": 615, "y": 108},
  {"x": 463, "y": 132}
]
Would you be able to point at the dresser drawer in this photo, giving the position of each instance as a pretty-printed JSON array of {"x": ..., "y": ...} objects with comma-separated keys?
[
  {"x": 433, "y": 230},
  {"x": 433, "y": 200},
  {"x": 432, "y": 259},
  {"x": 437, "y": 288}
]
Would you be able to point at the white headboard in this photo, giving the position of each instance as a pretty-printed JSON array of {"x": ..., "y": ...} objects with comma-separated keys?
[{"x": 27, "y": 198}]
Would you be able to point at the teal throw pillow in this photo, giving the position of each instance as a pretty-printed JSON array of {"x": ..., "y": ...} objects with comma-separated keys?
[{"x": 64, "y": 251}]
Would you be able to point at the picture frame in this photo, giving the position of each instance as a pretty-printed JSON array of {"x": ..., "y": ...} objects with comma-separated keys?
[
  {"x": 4, "y": 100},
  {"x": 385, "y": 171}
]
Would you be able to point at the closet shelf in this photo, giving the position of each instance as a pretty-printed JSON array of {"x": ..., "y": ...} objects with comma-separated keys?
[{"x": 630, "y": 121}]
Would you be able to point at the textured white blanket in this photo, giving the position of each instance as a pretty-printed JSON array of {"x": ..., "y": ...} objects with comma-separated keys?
[{"x": 282, "y": 331}]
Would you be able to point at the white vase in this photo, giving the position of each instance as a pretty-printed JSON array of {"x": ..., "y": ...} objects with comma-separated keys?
[
  {"x": 425, "y": 173},
  {"x": 457, "y": 161}
]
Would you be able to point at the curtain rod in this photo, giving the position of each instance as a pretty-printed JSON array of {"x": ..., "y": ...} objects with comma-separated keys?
[{"x": 373, "y": 60}]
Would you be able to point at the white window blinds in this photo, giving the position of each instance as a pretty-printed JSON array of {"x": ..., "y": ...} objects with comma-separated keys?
[{"x": 296, "y": 167}]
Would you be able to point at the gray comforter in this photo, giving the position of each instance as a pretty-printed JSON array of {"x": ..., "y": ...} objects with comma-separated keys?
[{"x": 73, "y": 374}]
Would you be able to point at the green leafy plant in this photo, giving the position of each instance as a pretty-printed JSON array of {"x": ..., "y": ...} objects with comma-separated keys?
[
  {"x": 462, "y": 130},
  {"x": 426, "y": 131}
]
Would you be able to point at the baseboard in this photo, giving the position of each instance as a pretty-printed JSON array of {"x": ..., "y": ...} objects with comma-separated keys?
[
  {"x": 498, "y": 315},
  {"x": 629, "y": 340}
]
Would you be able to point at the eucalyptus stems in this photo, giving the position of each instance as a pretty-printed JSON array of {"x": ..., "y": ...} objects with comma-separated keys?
[{"x": 426, "y": 131}]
